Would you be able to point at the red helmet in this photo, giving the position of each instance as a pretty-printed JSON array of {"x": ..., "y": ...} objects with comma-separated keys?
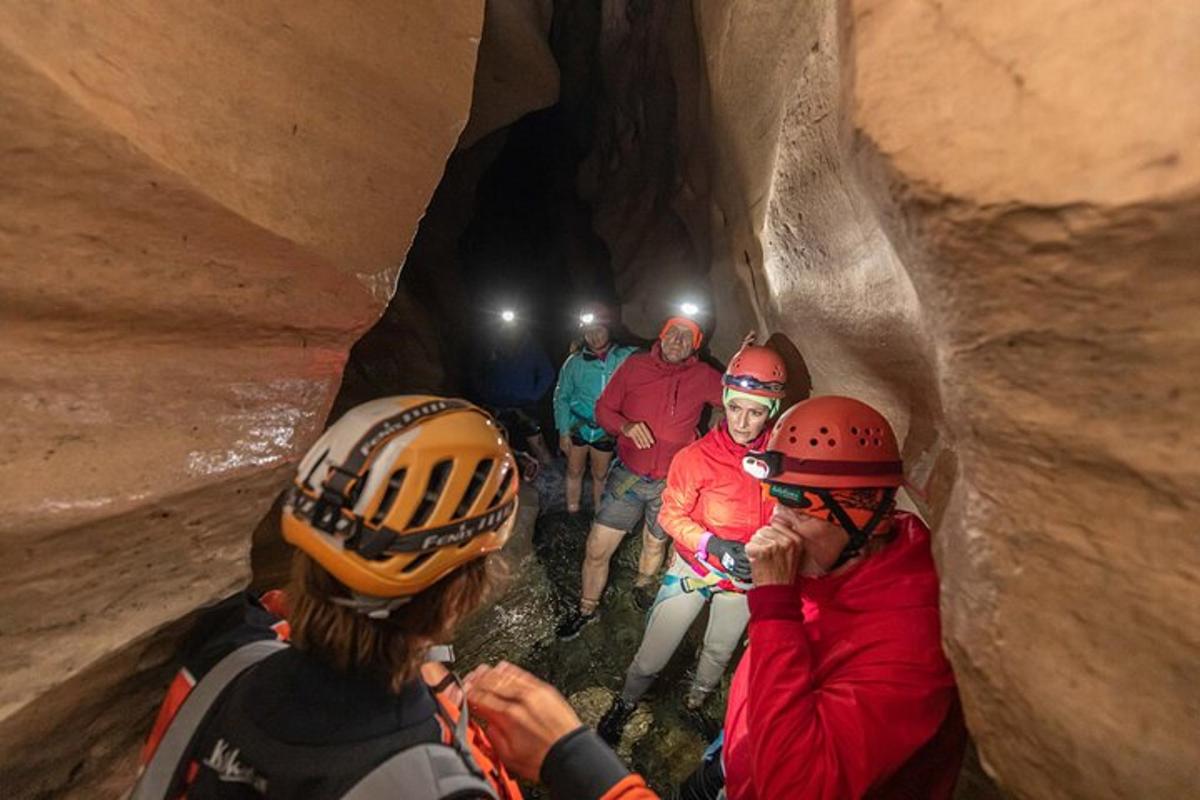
[
  {"x": 831, "y": 443},
  {"x": 758, "y": 371}
]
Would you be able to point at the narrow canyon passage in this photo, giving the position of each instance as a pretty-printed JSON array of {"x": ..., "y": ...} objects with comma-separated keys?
[{"x": 223, "y": 227}]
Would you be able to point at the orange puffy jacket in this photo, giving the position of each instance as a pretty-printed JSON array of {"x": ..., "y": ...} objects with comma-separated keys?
[{"x": 707, "y": 491}]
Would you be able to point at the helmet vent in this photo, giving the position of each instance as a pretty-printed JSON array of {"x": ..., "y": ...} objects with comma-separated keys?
[
  {"x": 813, "y": 442},
  {"x": 853, "y": 430},
  {"x": 474, "y": 487},
  {"x": 433, "y": 492},
  {"x": 317, "y": 462},
  {"x": 416, "y": 563},
  {"x": 504, "y": 484},
  {"x": 389, "y": 497}
]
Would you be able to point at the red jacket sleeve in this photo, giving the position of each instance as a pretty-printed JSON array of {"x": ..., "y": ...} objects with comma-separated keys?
[
  {"x": 679, "y": 498},
  {"x": 608, "y": 405},
  {"x": 714, "y": 386},
  {"x": 837, "y": 738}
]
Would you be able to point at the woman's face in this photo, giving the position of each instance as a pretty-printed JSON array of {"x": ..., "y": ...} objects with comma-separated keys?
[
  {"x": 746, "y": 419},
  {"x": 596, "y": 337}
]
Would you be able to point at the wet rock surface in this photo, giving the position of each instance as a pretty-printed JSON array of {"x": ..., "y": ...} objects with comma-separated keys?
[{"x": 203, "y": 208}]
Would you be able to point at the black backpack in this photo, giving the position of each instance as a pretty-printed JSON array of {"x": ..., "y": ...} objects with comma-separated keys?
[{"x": 386, "y": 768}]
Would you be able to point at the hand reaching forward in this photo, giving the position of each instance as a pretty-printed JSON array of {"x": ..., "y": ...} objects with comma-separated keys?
[{"x": 524, "y": 716}]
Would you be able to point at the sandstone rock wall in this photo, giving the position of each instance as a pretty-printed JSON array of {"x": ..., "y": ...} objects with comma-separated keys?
[
  {"x": 202, "y": 207},
  {"x": 983, "y": 218}
]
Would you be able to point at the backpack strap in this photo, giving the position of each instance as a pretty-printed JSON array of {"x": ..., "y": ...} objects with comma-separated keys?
[
  {"x": 423, "y": 772},
  {"x": 159, "y": 775}
]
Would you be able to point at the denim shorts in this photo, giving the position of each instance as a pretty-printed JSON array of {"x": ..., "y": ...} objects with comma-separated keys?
[{"x": 628, "y": 497}]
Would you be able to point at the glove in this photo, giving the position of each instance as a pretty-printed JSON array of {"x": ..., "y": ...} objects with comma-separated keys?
[{"x": 731, "y": 556}]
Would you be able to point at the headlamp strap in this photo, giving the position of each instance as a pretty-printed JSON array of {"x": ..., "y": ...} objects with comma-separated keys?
[{"x": 858, "y": 536}]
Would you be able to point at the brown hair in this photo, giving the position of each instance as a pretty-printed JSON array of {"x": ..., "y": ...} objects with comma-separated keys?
[{"x": 391, "y": 648}]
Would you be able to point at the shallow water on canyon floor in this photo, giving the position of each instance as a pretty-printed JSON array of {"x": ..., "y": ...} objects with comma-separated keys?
[{"x": 664, "y": 740}]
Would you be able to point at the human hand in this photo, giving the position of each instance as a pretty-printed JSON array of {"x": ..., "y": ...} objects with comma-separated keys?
[
  {"x": 775, "y": 553},
  {"x": 731, "y": 556},
  {"x": 640, "y": 433},
  {"x": 564, "y": 444},
  {"x": 524, "y": 716}
]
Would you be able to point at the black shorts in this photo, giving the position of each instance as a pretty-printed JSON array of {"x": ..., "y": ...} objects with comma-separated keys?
[
  {"x": 519, "y": 422},
  {"x": 605, "y": 445}
]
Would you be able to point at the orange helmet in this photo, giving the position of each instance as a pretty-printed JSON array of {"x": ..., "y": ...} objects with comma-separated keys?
[
  {"x": 835, "y": 458},
  {"x": 758, "y": 371},
  {"x": 400, "y": 492},
  {"x": 692, "y": 326},
  {"x": 830, "y": 442}
]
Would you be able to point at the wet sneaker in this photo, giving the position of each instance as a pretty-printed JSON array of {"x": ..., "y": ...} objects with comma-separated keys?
[
  {"x": 695, "y": 698},
  {"x": 612, "y": 724},
  {"x": 570, "y": 626}
]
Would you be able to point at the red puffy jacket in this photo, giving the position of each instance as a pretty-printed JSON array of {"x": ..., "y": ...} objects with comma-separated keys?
[
  {"x": 708, "y": 492},
  {"x": 844, "y": 691},
  {"x": 667, "y": 397}
]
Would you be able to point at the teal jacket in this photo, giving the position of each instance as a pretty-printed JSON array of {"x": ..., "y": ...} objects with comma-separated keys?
[{"x": 580, "y": 382}]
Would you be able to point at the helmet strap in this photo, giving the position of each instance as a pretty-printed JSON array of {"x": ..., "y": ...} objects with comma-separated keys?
[
  {"x": 858, "y": 536},
  {"x": 373, "y": 607}
]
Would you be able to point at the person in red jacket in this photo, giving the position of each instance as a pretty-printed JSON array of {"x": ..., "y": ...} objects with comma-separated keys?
[
  {"x": 652, "y": 405},
  {"x": 710, "y": 508},
  {"x": 844, "y": 691}
]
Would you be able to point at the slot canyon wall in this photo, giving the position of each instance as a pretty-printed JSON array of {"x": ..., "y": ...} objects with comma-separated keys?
[
  {"x": 201, "y": 209},
  {"x": 984, "y": 218}
]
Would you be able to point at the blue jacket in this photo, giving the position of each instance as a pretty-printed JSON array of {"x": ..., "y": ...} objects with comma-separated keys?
[
  {"x": 580, "y": 382},
  {"x": 513, "y": 378}
]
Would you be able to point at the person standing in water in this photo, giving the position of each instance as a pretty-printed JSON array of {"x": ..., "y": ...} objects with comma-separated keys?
[
  {"x": 652, "y": 405},
  {"x": 580, "y": 382},
  {"x": 710, "y": 508},
  {"x": 510, "y": 376}
]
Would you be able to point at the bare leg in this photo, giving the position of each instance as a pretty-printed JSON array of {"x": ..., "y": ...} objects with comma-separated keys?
[
  {"x": 600, "y": 461},
  {"x": 576, "y": 461},
  {"x": 602, "y": 542},
  {"x": 651, "y": 558}
]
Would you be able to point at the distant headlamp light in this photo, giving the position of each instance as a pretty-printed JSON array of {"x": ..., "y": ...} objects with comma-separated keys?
[
  {"x": 587, "y": 319},
  {"x": 689, "y": 309},
  {"x": 508, "y": 316}
]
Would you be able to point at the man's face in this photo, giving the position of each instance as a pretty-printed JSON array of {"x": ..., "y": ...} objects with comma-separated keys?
[
  {"x": 596, "y": 337},
  {"x": 823, "y": 541},
  {"x": 746, "y": 419},
  {"x": 676, "y": 344}
]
